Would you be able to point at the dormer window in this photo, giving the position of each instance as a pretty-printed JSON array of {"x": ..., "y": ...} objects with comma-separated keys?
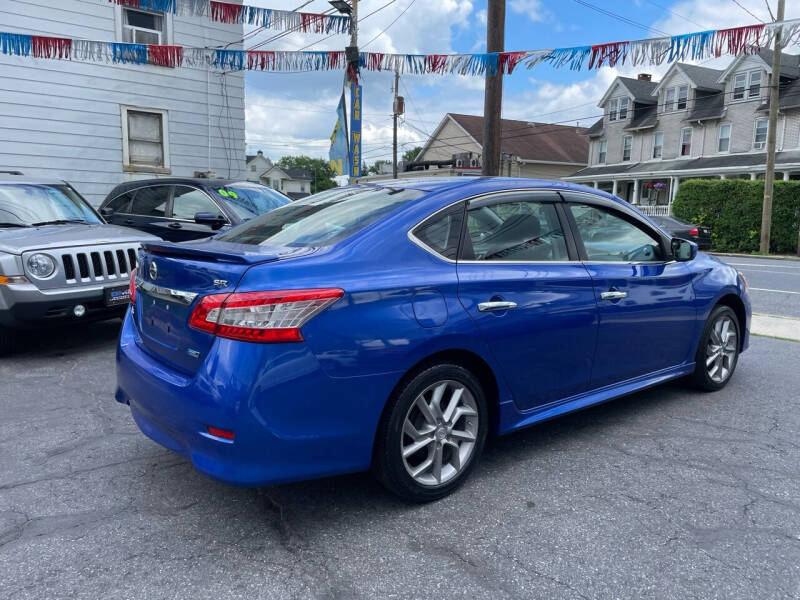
[
  {"x": 612, "y": 110},
  {"x": 618, "y": 109},
  {"x": 675, "y": 98},
  {"x": 623, "y": 108},
  {"x": 669, "y": 100},
  {"x": 683, "y": 96},
  {"x": 742, "y": 89}
]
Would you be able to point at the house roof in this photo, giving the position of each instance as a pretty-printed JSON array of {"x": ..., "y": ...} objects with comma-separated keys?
[
  {"x": 702, "y": 77},
  {"x": 644, "y": 117},
  {"x": 641, "y": 89},
  {"x": 790, "y": 63},
  {"x": 249, "y": 157},
  {"x": 789, "y": 96},
  {"x": 298, "y": 173},
  {"x": 744, "y": 160},
  {"x": 709, "y": 106},
  {"x": 595, "y": 130},
  {"x": 533, "y": 141}
]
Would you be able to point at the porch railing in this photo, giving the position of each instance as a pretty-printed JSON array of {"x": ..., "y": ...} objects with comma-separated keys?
[{"x": 655, "y": 210}]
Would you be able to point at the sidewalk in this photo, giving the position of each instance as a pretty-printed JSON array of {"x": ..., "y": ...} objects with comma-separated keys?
[{"x": 786, "y": 328}]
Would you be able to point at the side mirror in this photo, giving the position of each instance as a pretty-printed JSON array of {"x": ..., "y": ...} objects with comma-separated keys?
[
  {"x": 683, "y": 250},
  {"x": 106, "y": 211},
  {"x": 210, "y": 219}
]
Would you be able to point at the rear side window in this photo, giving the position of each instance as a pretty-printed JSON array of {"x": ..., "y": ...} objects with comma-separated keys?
[
  {"x": 151, "y": 201},
  {"x": 441, "y": 232},
  {"x": 121, "y": 204},
  {"x": 323, "y": 219}
]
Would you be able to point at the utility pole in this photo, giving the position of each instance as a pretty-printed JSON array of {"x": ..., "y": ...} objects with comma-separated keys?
[
  {"x": 398, "y": 108},
  {"x": 493, "y": 97},
  {"x": 774, "y": 98}
]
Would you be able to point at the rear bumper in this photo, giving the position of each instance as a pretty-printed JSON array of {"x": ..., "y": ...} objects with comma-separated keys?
[
  {"x": 291, "y": 421},
  {"x": 25, "y": 306}
]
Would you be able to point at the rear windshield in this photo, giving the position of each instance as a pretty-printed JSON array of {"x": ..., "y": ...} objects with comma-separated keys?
[
  {"x": 249, "y": 200},
  {"x": 322, "y": 219}
]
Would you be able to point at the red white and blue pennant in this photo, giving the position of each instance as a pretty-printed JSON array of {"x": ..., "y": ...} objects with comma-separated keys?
[{"x": 701, "y": 45}]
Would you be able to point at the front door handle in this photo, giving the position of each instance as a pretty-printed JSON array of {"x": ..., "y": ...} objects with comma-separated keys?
[
  {"x": 497, "y": 305},
  {"x": 613, "y": 295},
  {"x": 175, "y": 226},
  {"x": 128, "y": 221}
]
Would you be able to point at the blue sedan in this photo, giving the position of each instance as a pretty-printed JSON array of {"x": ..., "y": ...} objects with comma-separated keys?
[{"x": 395, "y": 326}]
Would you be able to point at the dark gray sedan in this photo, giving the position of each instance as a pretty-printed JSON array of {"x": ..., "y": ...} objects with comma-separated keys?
[{"x": 698, "y": 234}]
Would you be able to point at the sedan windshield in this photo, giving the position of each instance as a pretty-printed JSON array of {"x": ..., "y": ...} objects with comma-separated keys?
[
  {"x": 322, "y": 219},
  {"x": 250, "y": 200},
  {"x": 26, "y": 204}
]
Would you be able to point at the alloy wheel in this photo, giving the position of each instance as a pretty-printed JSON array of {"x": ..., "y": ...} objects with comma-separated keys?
[
  {"x": 721, "y": 349},
  {"x": 439, "y": 433}
]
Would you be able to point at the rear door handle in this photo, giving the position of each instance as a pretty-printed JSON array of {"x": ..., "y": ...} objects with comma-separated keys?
[
  {"x": 614, "y": 295},
  {"x": 128, "y": 221},
  {"x": 497, "y": 305}
]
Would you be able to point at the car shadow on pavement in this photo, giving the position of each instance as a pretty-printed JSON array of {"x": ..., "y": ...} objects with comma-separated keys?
[{"x": 64, "y": 340}]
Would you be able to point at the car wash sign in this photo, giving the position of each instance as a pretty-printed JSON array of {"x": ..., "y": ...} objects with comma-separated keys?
[{"x": 355, "y": 130}]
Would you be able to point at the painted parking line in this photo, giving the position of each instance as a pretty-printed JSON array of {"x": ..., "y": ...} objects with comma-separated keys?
[{"x": 773, "y": 291}]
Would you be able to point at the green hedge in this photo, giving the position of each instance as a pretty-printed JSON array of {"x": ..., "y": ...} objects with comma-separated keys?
[{"x": 732, "y": 208}]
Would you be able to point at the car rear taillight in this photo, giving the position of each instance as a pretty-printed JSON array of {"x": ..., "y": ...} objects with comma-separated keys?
[
  {"x": 266, "y": 317},
  {"x": 132, "y": 285},
  {"x": 694, "y": 231}
]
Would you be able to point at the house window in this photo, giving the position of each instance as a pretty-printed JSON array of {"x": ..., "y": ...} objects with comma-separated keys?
[
  {"x": 601, "y": 158},
  {"x": 658, "y": 143},
  {"x": 755, "y": 85},
  {"x": 623, "y": 108},
  {"x": 143, "y": 27},
  {"x": 144, "y": 138},
  {"x": 686, "y": 141},
  {"x": 760, "y": 137},
  {"x": 724, "y": 142},
  {"x": 253, "y": 168},
  {"x": 627, "y": 144},
  {"x": 683, "y": 95},
  {"x": 612, "y": 110},
  {"x": 669, "y": 101},
  {"x": 739, "y": 85}
]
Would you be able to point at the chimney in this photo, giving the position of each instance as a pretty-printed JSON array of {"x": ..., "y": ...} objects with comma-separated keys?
[{"x": 645, "y": 77}]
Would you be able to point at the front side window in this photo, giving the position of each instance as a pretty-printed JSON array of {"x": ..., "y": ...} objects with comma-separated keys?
[
  {"x": 658, "y": 144},
  {"x": 322, "y": 219},
  {"x": 612, "y": 110},
  {"x": 143, "y": 27},
  {"x": 25, "y": 204},
  {"x": 151, "y": 201},
  {"x": 669, "y": 100},
  {"x": 607, "y": 237},
  {"x": 724, "y": 143},
  {"x": 760, "y": 137},
  {"x": 739, "y": 85},
  {"x": 627, "y": 145},
  {"x": 145, "y": 138},
  {"x": 683, "y": 96},
  {"x": 686, "y": 141},
  {"x": 518, "y": 230},
  {"x": 755, "y": 85},
  {"x": 623, "y": 108},
  {"x": 601, "y": 157},
  {"x": 248, "y": 200},
  {"x": 188, "y": 201}
]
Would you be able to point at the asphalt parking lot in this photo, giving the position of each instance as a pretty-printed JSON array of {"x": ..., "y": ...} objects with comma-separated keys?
[{"x": 668, "y": 493}]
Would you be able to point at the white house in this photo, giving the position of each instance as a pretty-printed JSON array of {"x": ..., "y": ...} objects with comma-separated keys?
[
  {"x": 257, "y": 164},
  {"x": 295, "y": 183},
  {"x": 96, "y": 125}
]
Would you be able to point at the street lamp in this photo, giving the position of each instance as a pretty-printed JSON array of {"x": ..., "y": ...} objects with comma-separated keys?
[{"x": 342, "y": 6}]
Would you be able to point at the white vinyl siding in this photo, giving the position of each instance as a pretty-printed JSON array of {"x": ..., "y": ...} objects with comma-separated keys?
[{"x": 62, "y": 119}]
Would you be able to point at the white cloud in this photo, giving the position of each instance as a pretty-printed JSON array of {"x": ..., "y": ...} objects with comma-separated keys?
[{"x": 531, "y": 8}]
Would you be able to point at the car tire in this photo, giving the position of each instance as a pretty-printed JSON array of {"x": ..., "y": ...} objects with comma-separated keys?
[
  {"x": 432, "y": 433},
  {"x": 718, "y": 350},
  {"x": 8, "y": 341}
]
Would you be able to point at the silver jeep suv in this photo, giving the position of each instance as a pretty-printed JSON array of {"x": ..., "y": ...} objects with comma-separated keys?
[{"x": 59, "y": 261}]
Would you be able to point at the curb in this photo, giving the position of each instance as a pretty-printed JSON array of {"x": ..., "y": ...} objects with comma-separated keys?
[
  {"x": 786, "y": 328},
  {"x": 767, "y": 256}
]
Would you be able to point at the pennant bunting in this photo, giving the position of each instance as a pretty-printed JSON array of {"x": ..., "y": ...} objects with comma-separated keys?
[{"x": 701, "y": 45}]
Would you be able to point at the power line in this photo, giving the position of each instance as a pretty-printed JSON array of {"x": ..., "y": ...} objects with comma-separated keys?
[
  {"x": 390, "y": 24},
  {"x": 619, "y": 17},
  {"x": 364, "y": 18},
  {"x": 745, "y": 9}
]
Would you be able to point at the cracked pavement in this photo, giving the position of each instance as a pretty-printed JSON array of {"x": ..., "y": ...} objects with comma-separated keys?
[{"x": 669, "y": 493}]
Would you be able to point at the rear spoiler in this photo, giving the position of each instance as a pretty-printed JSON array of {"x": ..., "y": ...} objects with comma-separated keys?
[{"x": 222, "y": 252}]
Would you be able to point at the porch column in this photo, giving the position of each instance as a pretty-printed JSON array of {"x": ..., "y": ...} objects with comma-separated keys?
[
  {"x": 753, "y": 176},
  {"x": 635, "y": 191},
  {"x": 673, "y": 188},
  {"x": 596, "y": 184},
  {"x": 723, "y": 176},
  {"x": 614, "y": 187},
  {"x": 786, "y": 175}
]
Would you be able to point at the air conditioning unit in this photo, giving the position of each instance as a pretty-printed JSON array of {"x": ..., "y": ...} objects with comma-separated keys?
[
  {"x": 459, "y": 163},
  {"x": 759, "y": 145},
  {"x": 474, "y": 162}
]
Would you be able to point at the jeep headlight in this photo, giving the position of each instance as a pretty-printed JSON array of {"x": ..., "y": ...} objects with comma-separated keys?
[{"x": 41, "y": 266}]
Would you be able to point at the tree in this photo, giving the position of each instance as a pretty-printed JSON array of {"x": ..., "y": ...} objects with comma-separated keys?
[
  {"x": 411, "y": 155},
  {"x": 321, "y": 173},
  {"x": 376, "y": 168}
]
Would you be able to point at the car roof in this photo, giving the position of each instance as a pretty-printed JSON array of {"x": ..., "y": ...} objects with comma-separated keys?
[
  {"x": 196, "y": 181},
  {"x": 488, "y": 184}
]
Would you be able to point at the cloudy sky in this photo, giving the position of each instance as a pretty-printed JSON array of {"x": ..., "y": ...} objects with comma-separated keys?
[{"x": 294, "y": 113}]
